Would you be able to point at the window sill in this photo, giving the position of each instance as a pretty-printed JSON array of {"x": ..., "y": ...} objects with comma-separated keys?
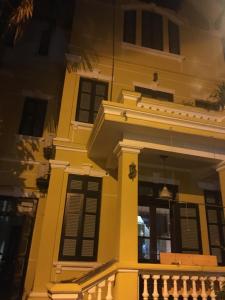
[
  {"x": 155, "y": 52},
  {"x": 81, "y": 125}
]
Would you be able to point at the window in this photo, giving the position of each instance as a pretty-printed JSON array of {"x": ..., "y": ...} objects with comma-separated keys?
[
  {"x": 33, "y": 117},
  {"x": 152, "y": 30},
  {"x": 165, "y": 226},
  {"x": 91, "y": 94},
  {"x": 154, "y": 27},
  {"x": 129, "y": 30},
  {"x": 79, "y": 239},
  {"x": 154, "y": 94},
  {"x": 216, "y": 225}
]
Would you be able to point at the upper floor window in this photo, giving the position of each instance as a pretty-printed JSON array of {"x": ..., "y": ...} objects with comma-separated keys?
[
  {"x": 33, "y": 117},
  {"x": 79, "y": 238},
  {"x": 91, "y": 93},
  {"x": 154, "y": 31},
  {"x": 160, "y": 95}
]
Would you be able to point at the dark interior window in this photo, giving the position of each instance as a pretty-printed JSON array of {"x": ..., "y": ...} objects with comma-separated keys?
[
  {"x": 152, "y": 30},
  {"x": 154, "y": 94},
  {"x": 129, "y": 26},
  {"x": 91, "y": 94},
  {"x": 33, "y": 117},
  {"x": 174, "y": 37}
]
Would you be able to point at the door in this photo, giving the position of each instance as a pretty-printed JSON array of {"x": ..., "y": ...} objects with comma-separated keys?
[{"x": 16, "y": 227}]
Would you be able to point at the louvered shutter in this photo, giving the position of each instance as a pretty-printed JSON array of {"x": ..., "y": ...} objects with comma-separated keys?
[{"x": 81, "y": 219}]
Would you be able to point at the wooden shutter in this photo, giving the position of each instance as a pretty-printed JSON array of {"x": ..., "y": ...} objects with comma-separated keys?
[
  {"x": 174, "y": 37},
  {"x": 129, "y": 27},
  {"x": 190, "y": 237},
  {"x": 79, "y": 238},
  {"x": 152, "y": 30}
]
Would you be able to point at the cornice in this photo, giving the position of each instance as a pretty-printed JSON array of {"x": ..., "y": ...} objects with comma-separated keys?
[
  {"x": 123, "y": 148},
  {"x": 58, "y": 164}
]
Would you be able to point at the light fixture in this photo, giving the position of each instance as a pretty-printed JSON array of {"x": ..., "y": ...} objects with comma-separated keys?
[{"x": 164, "y": 193}]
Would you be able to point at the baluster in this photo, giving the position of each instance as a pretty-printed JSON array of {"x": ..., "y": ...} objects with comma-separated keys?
[
  {"x": 212, "y": 286},
  {"x": 155, "y": 293},
  {"x": 203, "y": 293},
  {"x": 90, "y": 292},
  {"x": 175, "y": 292},
  {"x": 221, "y": 280},
  {"x": 100, "y": 286},
  {"x": 194, "y": 291},
  {"x": 110, "y": 280},
  {"x": 165, "y": 287},
  {"x": 145, "y": 293},
  {"x": 185, "y": 293}
]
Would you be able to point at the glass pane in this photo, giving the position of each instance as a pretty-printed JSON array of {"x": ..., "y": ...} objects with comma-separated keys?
[
  {"x": 86, "y": 86},
  {"x": 98, "y": 100},
  {"x": 163, "y": 246},
  {"x": 212, "y": 216},
  {"x": 93, "y": 186},
  {"x": 145, "y": 190},
  {"x": 89, "y": 226},
  {"x": 189, "y": 234},
  {"x": 85, "y": 101},
  {"x": 76, "y": 184},
  {"x": 144, "y": 248},
  {"x": 69, "y": 247},
  {"x": 87, "y": 248},
  {"x": 143, "y": 221},
  {"x": 210, "y": 199},
  {"x": 217, "y": 252},
  {"x": 83, "y": 116},
  {"x": 214, "y": 235},
  {"x": 72, "y": 224},
  {"x": 91, "y": 205},
  {"x": 100, "y": 89},
  {"x": 188, "y": 212},
  {"x": 163, "y": 222}
]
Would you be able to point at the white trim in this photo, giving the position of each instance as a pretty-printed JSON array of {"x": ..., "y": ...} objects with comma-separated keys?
[
  {"x": 221, "y": 166},
  {"x": 86, "y": 171},
  {"x": 38, "y": 294},
  {"x": 174, "y": 149},
  {"x": 95, "y": 74},
  {"x": 81, "y": 125},
  {"x": 127, "y": 271},
  {"x": 66, "y": 296},
  {"x": 122, "y": 148},
  {"x": 58, "y": 163},
  {"x": 70, "y": 149},
  {"x": 61, "y": 139},
  {"x": 151, "y": 51}
]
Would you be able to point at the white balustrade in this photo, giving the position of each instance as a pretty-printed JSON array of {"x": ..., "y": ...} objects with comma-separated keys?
[{"x": 184, "y": 286}]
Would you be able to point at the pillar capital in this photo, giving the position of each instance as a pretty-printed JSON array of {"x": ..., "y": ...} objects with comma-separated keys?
[
  {"x": 123, "y": 148},
  {"x": 58, "y": 164},
  {"x": 220, "y": 166}
]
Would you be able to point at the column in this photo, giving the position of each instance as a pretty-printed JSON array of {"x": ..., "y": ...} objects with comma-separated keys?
[
  {"x": 128, "y": 203},
  {"x": 221, "y": 170},
  {"x": 49, "y": 228}
]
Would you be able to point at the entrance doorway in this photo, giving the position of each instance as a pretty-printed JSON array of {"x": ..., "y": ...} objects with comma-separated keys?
[{"x": 17, "y": 217}]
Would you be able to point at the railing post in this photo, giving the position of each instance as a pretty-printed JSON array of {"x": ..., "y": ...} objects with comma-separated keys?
[
  {"x": 212, "y": 293},
  {"x": 194, "y": 291},
  {"x": 90, "y": 292},
  {"x": 203, "y": 293},
  {"x": 185, "y": 293},
  {"x": 175, "y": 292},
  {"x": 221, "y": 280},
  {"x": 100, "y": 286},
  {"x": 110, "y": 280},
  {"x": 145, "y": 293},
  {"x": 165, "y": 287},
  {"x": 155, "y": 293}
]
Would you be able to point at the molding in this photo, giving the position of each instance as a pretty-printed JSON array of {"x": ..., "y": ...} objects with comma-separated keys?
[
  {"x": 131, "y": 96},
  {"x": 127, "y": 271},
  {"x": 81, "y": 125},
  {"x": 58, "y": 164},
  {"x": 61, "y": 139},
  {"x": 121, "y": 147},
  {"x": 151, "y": 51},
  {"x": 37, "y": 94},
  {"x": 96, "y": 74},
  {"x": 221, "y": 166},
  {"x": 165, "y": 119},
  {"x": 38, "y": 294},
  {"x": 86, "y": 169},
  {"x": 70, "y": 149},
  {"x": 61, "y": 296},
  {"x": 154, "y": 86}
]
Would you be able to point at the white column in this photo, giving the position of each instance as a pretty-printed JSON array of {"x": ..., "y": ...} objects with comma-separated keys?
[
  {"x": 165, "y": 287},
  {"x": 155, "y": 293},
  {"x": 110, "y": 280},
  {"x": 185, "y": 293},
  {"x": 91, "y": 292},
  {"x": 194, "y": 291},
  {"x": 212, "y": 287},
  {"x": 203, "y": 292},
  {"x": 100, "y": 286},
  {"x": 175, "y": 292}
]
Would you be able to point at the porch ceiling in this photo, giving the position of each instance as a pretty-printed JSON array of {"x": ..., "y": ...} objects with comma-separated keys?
[{"x": 186, "y": 145}]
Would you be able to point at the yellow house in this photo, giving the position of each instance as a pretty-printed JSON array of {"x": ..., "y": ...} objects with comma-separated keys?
[{"x": 135, "y": 205}]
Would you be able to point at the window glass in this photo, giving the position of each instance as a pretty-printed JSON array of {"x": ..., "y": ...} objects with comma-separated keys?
[
  {"x": 129, "y": 26},
  {"x": 174, "y": 37},
  {"x": 152, "y": 30}
]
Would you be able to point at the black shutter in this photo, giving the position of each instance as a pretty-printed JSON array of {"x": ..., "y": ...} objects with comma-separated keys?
[
  {"x": 190, "y": 236},
  {"x": 79, "y": 238},
  {"x": 174, "y": 37},
  {"x": 152, "y": 30},
  {"x": 129, "y": 26}
]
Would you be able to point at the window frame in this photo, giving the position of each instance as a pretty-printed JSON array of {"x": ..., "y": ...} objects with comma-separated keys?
[
  {"x": 91, "y": 110},
  {"x": 80, "y": 238}
]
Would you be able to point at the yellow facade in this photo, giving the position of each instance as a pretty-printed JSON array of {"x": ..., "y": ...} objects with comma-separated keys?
[{"x": 124, "y": 147}]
